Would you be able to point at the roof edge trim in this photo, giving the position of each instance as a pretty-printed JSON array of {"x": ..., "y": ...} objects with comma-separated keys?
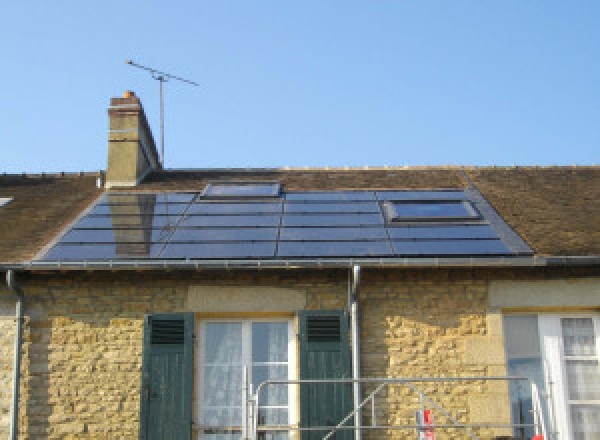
[{"x": 189, "y": 264}]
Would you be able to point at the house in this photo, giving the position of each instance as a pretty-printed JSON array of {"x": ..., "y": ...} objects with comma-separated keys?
[{"x": 153, "y": 303}]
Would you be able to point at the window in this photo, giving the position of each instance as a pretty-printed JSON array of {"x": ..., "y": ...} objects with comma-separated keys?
[
  {"x": 561, "y": 353},
  {"x": 430, "y": 210},
  {"x": 5, "y": 200},
  {"x": 242, "y": 189},
  {"x": 267, "y": 349}
]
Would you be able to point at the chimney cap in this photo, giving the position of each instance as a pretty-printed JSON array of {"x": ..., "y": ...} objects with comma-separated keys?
[{"x": 128, "y": 94}]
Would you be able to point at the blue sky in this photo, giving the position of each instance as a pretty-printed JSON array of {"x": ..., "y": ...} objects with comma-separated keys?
[{"x": 305, "y": 83}]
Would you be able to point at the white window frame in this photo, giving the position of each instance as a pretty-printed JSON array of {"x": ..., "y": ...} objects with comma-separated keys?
[
  {"x": 551, "y": 344},
  {"x": 247, "y": 322}
]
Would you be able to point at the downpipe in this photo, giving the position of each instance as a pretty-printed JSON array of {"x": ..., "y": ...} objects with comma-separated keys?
[
  {"x": 11, "y": 283},
  {"x": 353, "y": 305}
]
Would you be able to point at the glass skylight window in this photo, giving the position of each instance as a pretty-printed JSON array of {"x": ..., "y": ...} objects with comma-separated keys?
[
  {"x": 5, "y": 200},
  {"x": 430, "y": 211},
  {"x": 242, "y": 189}
]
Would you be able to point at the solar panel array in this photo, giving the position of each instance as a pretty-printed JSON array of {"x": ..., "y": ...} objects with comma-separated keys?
[{"x": 292, "y": 225}]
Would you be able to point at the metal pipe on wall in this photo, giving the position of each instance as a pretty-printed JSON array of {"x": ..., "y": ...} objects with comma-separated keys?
[
  {"x": 11, "y": 283},
  {"x": 355, "y": 330}
]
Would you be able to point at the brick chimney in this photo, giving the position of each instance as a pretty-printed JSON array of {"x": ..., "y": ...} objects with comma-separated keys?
[{"x": 132, "y": 152}]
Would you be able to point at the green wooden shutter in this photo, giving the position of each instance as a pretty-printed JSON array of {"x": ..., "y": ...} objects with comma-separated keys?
[
  {"x": 167, "y": 377},
  {"x": 324, "y": 354}
]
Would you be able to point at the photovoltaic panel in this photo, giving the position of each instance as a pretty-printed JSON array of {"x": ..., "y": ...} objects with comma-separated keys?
[
  {"x": 340, "y": 196},
  {"x": 261, "y": 249},
  {"x": 114, "y": 235},
  {"x": 128, "y": 209},
  {"x": 215, "y": 221},
  {"x": 125, "y": 221},
  {"x": 308, "y": 224},
  {"x": 80, "y": 252},
  {"x": 234, "y": 208},
  {"x": 330, "y": 234},
  {"x": 330, "y": 207},
  {"x": 292, "y": 220},
  {"x": 224, "y": 234},
  {"x": 441, "y": 232},
  {"x": 334, "y": 249},
  {"x": 421, "y": 195},
  {"x": 450, "y": 248}
]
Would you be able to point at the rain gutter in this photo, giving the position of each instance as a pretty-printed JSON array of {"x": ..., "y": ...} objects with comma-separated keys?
[
  {"x": 308, "y": 263},
  {"x": 353, "y": 305},
  {"x": 11, "y": 283}
]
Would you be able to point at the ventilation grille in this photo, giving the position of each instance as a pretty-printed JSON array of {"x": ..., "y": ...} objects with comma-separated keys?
[
  {"x": 168, "y": 331},
  {"x": 323, "y": 329}
]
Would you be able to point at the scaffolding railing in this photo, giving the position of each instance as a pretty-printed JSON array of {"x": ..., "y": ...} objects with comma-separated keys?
[{"x": 251, "y": 426}]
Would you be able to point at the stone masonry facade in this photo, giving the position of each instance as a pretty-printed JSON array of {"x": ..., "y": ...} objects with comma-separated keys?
[
  {"x": 7, "y": 333},
  {"x": 83, "y": 343}
]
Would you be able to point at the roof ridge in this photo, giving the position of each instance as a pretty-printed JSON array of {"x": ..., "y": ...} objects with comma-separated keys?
[{"x": 43, "y": 175}]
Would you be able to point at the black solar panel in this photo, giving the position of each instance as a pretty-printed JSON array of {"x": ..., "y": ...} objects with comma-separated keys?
[
  {"x": 449, "y": 247},
  {"x": 329, "y": 207},
  {"x": 224, "y": 234},
  {"x": 220, "y": 250},
  {"x": 441, "y": 232},
  {"x": 421, "y": 195},
  {"x": 329, "y": 234},
  {"x": 291, "y": 220},
  {"x": 316, "y": 224},
  {"x": 235, "y": 208},
  {"x": 333, "y": 196},
  {"x": 220, "y": 221},
  {"x": 129, "y": 209},
  {"x": 338, "y": 249}
]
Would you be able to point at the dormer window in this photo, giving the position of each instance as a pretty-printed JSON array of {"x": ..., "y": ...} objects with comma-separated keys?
[
  {"x": 241, "y": 190},
  {"x": 5, "y": 200},
  {"x": 430, "y": 210}
]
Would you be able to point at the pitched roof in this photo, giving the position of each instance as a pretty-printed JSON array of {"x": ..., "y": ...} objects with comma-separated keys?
[
  {"x": 42, "y": 206},
  {"x": 556, "y": 210}
]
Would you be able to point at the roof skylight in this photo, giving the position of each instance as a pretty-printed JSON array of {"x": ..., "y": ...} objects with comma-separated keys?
[
  {"x": 430, "y": 211},
  {"x": 242, "y": 189}
]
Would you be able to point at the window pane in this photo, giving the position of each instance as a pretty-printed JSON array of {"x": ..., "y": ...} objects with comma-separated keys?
[
  {"x": 583, "y": 378},
  {"x": 241, "y": 190},
  {"x": 430, "y": 210},
  {"x": 225, "y": 417},
  {"x": 222, "y": 386},
  {"x": 585, "y": 420},
  {"x": 272, "y": 394},
  {"x": 578, "y": 336},
  {"x": 223, "y": 343},
  {"x": 269, "y": 342},
  {"x": 524, "y": 360},
  {"x": 522, "y": 336},
  {"x": 273, "y": 416}
]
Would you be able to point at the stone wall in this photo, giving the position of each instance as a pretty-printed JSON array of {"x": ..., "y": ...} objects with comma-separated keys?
[
  {"x": 83, "y": 349},
  {"x": 433, "y": 324},
  {"x": 7, "y": 335}
]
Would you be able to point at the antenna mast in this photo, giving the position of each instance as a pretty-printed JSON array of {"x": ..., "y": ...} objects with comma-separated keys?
[{"x": 161, "y": 77}]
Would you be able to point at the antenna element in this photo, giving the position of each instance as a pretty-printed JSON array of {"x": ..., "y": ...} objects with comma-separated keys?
[{"x": 161, "y": 77}]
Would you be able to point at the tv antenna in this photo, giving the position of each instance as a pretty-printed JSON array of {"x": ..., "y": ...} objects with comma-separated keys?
[{"x": 161, "y": 77}]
